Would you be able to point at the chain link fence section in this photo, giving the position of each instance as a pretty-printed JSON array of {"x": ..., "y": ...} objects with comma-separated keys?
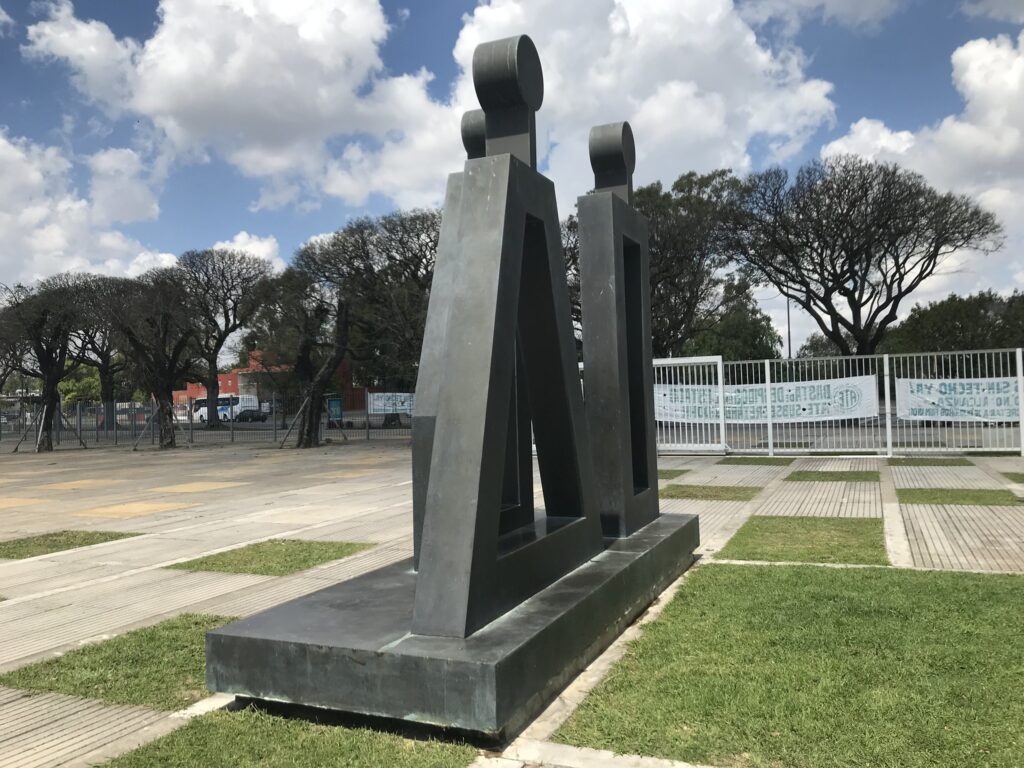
[{"x": 133, "y": 424}]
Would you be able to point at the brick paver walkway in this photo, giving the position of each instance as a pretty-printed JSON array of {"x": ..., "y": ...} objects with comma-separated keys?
[{"x": 197, "y": 502}]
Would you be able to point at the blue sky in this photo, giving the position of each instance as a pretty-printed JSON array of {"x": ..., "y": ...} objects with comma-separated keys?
[{"x": 132, "y": 131}]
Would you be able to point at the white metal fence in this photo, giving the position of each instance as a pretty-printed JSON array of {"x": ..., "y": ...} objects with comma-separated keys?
[{"x": 949, "y": 402}]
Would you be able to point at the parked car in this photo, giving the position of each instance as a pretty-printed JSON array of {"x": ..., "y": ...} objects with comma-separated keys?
[
  {"x": 250, "y": 415},
  {"x": 124, "y": 417}
]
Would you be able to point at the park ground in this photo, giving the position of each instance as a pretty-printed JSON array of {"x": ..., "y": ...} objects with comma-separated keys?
[{"x": 845, "y": 611}]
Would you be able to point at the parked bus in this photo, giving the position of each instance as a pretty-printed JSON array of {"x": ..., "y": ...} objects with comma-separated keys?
[{"x": 228, "y": 407}]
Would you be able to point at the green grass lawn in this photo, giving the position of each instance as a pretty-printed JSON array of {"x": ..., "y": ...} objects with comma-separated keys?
[
  {"x": 250, "y": 738},
  {"x": 807, "y": 667},
  {"x": 770, "y": 461},
  {"x": 710, "y": 492},
  {"x": 849, "y": 476},
  {"x": 969, "y": 496},
  {"x": 162, "y": 666},
  {"x": 808, "y": 540},
  {"x": 924, "y": 461},
  {"x": 277, "y": 557},
  {"x": 671, "y": 474},
  {"x": 1014, "y": 477},
  {"x": 48, "y": 543}
]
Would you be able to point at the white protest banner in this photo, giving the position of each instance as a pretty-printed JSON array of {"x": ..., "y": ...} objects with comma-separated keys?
[
  {"x": 391, "y": 402},
  {"x": 993, "y": 399},
  {"x": 855, "y": 397}
]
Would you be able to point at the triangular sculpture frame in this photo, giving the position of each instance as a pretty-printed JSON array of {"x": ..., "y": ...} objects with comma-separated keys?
[{"x": 507, "y": 338}]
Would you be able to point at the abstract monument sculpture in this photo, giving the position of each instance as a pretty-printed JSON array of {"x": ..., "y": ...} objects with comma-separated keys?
[{"x": 504, "y": 602}]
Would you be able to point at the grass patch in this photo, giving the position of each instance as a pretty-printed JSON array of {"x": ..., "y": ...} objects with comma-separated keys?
[
  {"x": 251, "y": 738},
  {"x": 277, "y": 557},
  {"x": 849, "y": 476},
  {"x": 770, "y": 461},
  {"x": 987, "y": 497},
  {"x": 923, "y": 461},
  {"x": 1014, "y": 477},
  {"x": 808, "y": 540},
  {"x": 671, "y": 474},
  {"x": 710, "y": 492},
  {"x": 48, "y": 543},
  {"x": 807, "y": 667},
  {"x": 161, "y": 666}
]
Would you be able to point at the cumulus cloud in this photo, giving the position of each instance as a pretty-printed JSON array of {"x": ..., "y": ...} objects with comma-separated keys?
[
  {"x": 266, "y": 248},
  {"x": 853, "y": 13},
  {"x": 45, "y": 226},
  {"x": 295, "y": 94},
  {"x": 979, "y": 151},
  {"x": 119, "y": 188},
  {"x": 1000, "y": 10},
  {"x": 102, "y": 66},
  {"x": 691, "y": 77},
  {"x": 6, "y": 22}
]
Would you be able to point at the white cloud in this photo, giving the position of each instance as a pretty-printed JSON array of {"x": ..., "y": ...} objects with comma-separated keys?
[
  {"x": 101, "y": 65},
  {"x": 1000, "y": 10},
  {"x": 5, "y": 22},
  {"x": 294, "y": 93},
  {"x": 262, "y": 247},
  {"x": 870, "y": 138},
  {"x": 853, "y": 13},
  {"x": 45, "y": 226},
  {"x": 691, "y": 77},
  {"x": 118, "y": 188},
  {"x": 978, "y": 152}
]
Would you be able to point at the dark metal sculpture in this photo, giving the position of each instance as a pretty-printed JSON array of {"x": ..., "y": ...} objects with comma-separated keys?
[
  {"x": 506, "y": 604},
  {"x": 508, "y": 339},
  {"x": 616, "y": 298}
]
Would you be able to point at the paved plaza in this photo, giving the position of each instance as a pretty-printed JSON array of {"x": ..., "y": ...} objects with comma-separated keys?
[{"x": 192, "y": 503}]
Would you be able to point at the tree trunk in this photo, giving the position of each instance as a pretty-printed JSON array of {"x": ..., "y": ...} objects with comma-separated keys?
[
  {"x": 107, "y": 397},
  {"x": 165, "y": 419},
  {"x": 51, "y": 402},
  {"x": 212, "y": 395},
  {"x": 309, "y": 424}
]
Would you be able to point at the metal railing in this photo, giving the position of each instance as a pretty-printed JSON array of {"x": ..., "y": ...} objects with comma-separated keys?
[{"x": 951, "y": 402}]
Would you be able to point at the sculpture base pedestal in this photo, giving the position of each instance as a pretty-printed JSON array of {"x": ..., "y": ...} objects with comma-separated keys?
[{"x": 348, "y": 647}]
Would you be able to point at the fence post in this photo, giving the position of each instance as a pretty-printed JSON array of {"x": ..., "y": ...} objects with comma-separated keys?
[
  {"x": 768, "y": 405},
  {"x": 1020, "y": 399},
  {"x": 888, "y": 406},
  {"x": 232, "y": 412},
  {"x": 721, "y": 402},
  {"x": 273, "y": 414},
  {"x": 366, "y": 404},
  {"x": 78, "y": 419},
  {"x": 191, "y": 421}
]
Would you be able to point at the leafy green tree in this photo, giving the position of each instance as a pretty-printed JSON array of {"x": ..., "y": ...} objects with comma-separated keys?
[
  {"x": 742, "y": 330},
  {"x": 82, "y": 386},
  {"x": 224, "y": 288},
  {"x": 690, "y": 264},
  {"x": 155, "y": 326},
  {"x": 38, "y": 327},
  {"x": 983, "y": 320}
]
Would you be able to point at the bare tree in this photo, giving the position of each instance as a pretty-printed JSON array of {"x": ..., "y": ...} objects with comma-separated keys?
[
  {"x": 849, "y": 239},
  {"x": 223, "y": 288},
  {"x": 38, "y": 326},
  {"x": 154, "y": 325}
]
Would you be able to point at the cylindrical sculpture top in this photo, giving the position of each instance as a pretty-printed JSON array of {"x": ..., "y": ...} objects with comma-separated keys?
[
  {"x": 507, "y": 73},
  {"x": 612, "y": 150},
  {"x": 474, "y": 134}
]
